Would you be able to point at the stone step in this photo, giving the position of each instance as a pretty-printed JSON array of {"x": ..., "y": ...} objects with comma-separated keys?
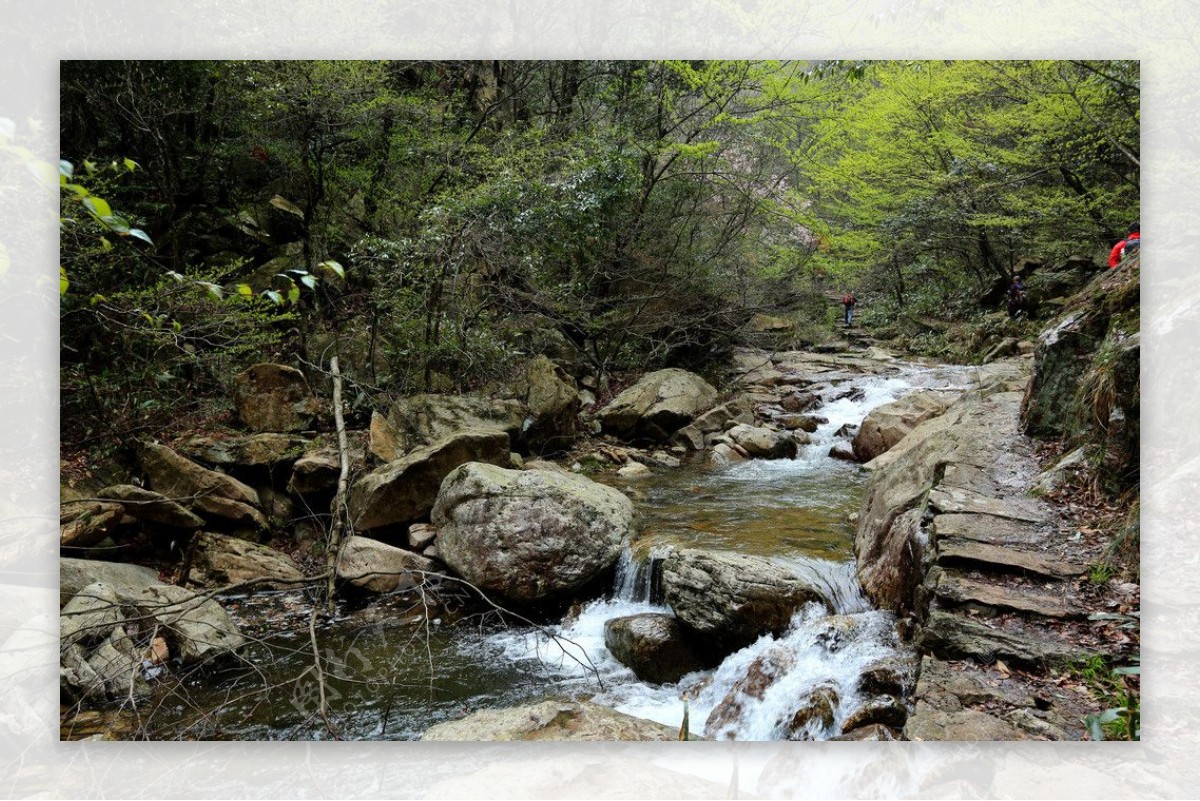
[
  {"x": 952, "y": 636},
  {"x": 948, "y": 499},
  {"x": 961, "y": 590},
  {"x": 956, "y": 550},
  {"x": 987, "y": 529}
]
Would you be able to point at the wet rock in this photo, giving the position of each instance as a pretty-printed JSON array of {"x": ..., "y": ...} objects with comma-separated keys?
[
  {"x": 405, "y": 490},
  {"x": 731, "y": 599},
  {"x": 654, "y": 646},
  {"x": 529, "y": 534},
  {"x": 883, "y": 710},
  {"x": 223, "y": 560},
  {"x": 763, "y": 443},
  {"x": 800, "y": 422},
  {"x": 889, "y": 676},
  {"x": 796, "y": 402},
  {"x": 871, "y": 733},
  {"x": 752, "y": 685},
  {"x": 721, "y": 417},
  {"x": 551, "y": 720},
  {"x": 843, "y": 451},
  {"x": 658, "y": 405},
  {"x": 815, "y": 715},
  {"x": 152, "y": 507},
  {"x": 634, "y": 470},
  {"x": 273, "y": 397},
  {"x": 690, "y": 438},
  {"x": 377, "y": 567}
]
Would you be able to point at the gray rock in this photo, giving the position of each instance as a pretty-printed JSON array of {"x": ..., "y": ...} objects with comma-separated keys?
[
  {"x": 377, "y": 567},
  {"x": 273, "y": 397},
  {"x": 403, "y": 491},
  {"x": 764, "y": 443},
  {"x": 731, "y": 599},
  {"x": 152, "y": 507},
  {"x": 84, "y": 524},
  {"x": 223, "y": 560},
  {"x": 927, "y": 723},
  {"x": 90, "y": 615},
  {"x": 199, "y": 628},
  {"x": 951, "y": 636},
  {"x": 654, "y": 646},
  {"x": 124, "y": 579},
  {"x": 420, "y": 421},
  {"x": 551, "y": 720},
  {"x": 552, "y": 401},
  {"x": 529, "y": 534},
  {"x": 212, "y": 493},
  {"x": 886, "y": 425},
  {"x": 244, "y": 450},
  {"x": 421, "y": 536},
  {"x": 658, "y": 405}
]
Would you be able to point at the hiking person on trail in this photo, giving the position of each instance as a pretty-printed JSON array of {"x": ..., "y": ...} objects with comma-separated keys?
[
  {"x": 1016, "y": 297},
  {"x": 848, "y": 301},
  {"x": 1127, "y": 246}
]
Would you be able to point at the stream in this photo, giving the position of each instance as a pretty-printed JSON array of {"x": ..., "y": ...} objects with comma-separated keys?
[{"x": 388, "y": 677}]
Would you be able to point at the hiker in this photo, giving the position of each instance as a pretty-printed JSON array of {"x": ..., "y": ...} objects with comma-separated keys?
[
  {"x": 1127, "y": 246},
  {"x": 1016, "y": 297},
  {"x": 848, "y": 301}
]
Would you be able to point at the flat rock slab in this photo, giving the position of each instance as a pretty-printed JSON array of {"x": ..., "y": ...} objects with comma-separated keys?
[
  {"x": 1017, "y": 598},
  {"x": 953, "y": 499},
  {"x": 955, "y": 550},
  {"x": 949, "y": 686},
  {"x": 551, "y": 720},
  {"x": 951, "y": 636},
  {"x": 989, "y": 529},
  {"x": 929, "y": 723}
]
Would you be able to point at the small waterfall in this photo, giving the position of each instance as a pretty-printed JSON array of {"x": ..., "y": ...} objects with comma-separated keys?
[{"x": 639, "y": 580}]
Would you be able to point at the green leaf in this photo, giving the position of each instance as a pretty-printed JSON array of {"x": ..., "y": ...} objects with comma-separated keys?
[
  {"x": 245, "y": 291},
  {"x": 177, "y": 276},
  {"x": 309, "y": 281},
  {"x": 335, "y": 267},
  {"x": 98, "y": 206},
  {"x": 213, "y": 289},
  {"x": 1132, "y": 670},
  {"x": 115, "y": 223},
  {"x": 89, "y": 166},
  {"x": 63, "y": 283},
  {"x": 66, "y": 169},
  {"x": 274, "y": 296},
  {"x": 140, "y": 234},
  {"x": 131, "y": 165},
  {"x": 293, "y": 294},
  {"x": 105, "y": 245},
  {"x": 97, "y": 299},
  {"x": 286, "y": 205}
]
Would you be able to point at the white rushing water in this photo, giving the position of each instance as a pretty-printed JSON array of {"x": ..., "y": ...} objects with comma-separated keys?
[{"x": 816, "y": 651}]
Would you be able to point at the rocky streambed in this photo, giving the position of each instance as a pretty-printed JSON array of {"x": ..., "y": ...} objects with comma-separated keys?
[{"x": 725, "y": 570}]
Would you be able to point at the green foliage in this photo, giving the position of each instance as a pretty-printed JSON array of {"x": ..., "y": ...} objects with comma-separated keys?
[{"x": 1117, "y": 689}]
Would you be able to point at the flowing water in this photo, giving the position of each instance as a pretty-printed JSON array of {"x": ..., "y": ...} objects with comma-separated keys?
[{"x": 393, "y": 673}]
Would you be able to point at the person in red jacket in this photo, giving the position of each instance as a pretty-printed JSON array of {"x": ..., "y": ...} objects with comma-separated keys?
[{"x": 1130, "y": 243}]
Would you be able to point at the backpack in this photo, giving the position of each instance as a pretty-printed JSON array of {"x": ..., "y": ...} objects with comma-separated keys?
[
  {"x": 847, "y": 299},
  {"x": 1131, "y": 246}
]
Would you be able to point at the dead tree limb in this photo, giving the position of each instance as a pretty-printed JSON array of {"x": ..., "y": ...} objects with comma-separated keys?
[{"x": 338, "y": 508}]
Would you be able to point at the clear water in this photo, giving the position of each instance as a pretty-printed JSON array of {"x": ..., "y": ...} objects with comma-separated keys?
[{"x": 392, "y": 675}]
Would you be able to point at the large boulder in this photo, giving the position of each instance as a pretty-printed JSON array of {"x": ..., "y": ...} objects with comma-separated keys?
[
  {"x": 551, "y": 720},
  {"x": 653, "y": 645},
  {"x": 422, "y": 420},
  {"x": 552, "y": 401},
  {"x": 222, "y": 560},
  {"x": 273, "y": 397},
  {"x": 732, "y": 599},
  {"x": 213, "y": 494},
  {"x": 886, "y": 425},
  {"x": 657, "y": 405},
  {"x": 377, "y": 567},
  {"x": 404, "y": 491},
  {"x": 529, "y": 534}
]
